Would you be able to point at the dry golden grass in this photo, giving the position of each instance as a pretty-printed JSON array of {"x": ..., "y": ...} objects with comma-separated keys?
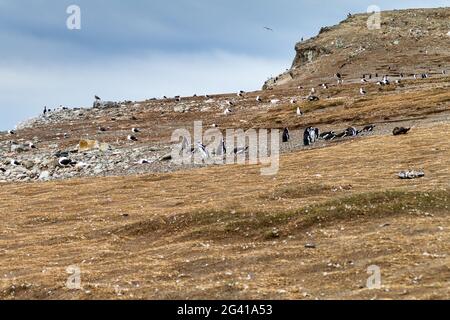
[{"x": 228, "y": 232}]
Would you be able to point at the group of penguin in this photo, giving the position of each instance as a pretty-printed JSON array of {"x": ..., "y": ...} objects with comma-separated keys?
[{"x": 311, "y": 134}]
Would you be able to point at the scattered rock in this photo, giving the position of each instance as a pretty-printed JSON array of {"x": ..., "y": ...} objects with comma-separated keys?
[{"x": 408, "y": 175}]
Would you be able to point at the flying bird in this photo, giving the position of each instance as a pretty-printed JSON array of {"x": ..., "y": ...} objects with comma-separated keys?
[
  {"x": 97, "y": 98},
  {"x": 268, "y": 29}
]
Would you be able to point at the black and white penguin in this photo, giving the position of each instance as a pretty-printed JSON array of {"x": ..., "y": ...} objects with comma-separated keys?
[
  {"x": 351, "y": 132},
  {"x": 240, "y": 150},
  {"x": 144, "y": 161},
  {"x": 310, "y": 136},
  {"x": 313, "y": 98},
  {"x": 227, "y": 112},
  {"x": 64, "y": 162},
  {"x": 15, "y": 163},
  {"x": 330, "y": 135},
  {"x": 368, "y": 128},
  {"x": 221, "y": 149},
  {"x": 341, "y": 135},
  {"x": 203, "y": 151},
  {"x": 132, "y": 138},
  {"x": 286, "y": 135}
]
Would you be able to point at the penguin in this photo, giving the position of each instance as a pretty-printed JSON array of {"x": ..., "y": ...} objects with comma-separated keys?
[
  {"x": 286, "y": 135},
  {"x": 313, "y": 98},
  {"x": 132, "y": 138},
  {"x": 202, "y": 148},
  {"x": 369, "y": 128},
  {"x": 351, "y": 132},
  {"x": 222, "y": 149},
  {"x": 307, "y": 137},
  {"x": 299, "y": 112},
  {"x": 400, "y": 131},
  {"x": 362, "y": 91},
  {"x": 15, "y": 163},
  {"x": 64, "y": 162},
  {"x": 240, "y": 150},
  {"x": 310, "y": 136},
  {"x": 144, "y": 161},
  {"x": 328, "y": 135},
  {"x": 135, "y": 130}
]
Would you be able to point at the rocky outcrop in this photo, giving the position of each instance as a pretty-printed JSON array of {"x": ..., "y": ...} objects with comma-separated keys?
[{"x": 307, "y": 53}]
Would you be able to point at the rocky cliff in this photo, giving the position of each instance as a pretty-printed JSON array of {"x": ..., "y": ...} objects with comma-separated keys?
[{"x": 407, "y": 41}]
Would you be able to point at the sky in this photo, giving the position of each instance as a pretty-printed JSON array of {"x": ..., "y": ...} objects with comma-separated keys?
[{"x": 138, "y": 49}]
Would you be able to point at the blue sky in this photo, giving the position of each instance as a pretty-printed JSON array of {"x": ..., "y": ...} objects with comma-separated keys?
[{"x": 133, "y": 50}]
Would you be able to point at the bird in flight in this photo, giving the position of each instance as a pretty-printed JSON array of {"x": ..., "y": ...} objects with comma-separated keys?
[{"x": 268, "y": 29}]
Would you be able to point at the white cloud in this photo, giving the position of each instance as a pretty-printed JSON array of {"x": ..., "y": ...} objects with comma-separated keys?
[{"x": 27, "y": 88}]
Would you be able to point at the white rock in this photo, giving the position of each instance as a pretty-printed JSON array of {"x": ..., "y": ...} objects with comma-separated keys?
[{"x": 44, "y": 176}]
